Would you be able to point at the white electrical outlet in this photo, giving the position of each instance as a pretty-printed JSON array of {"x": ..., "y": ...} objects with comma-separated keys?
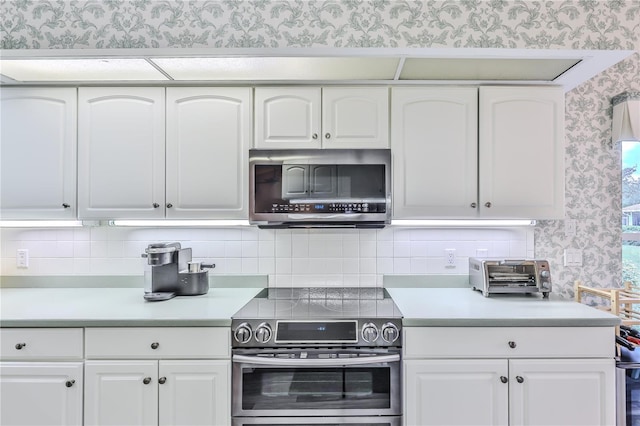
[
  {"x": 450, "y": 257},
  {"x": 570, "y": 228},
  {"x": 22, "y": 258},
  {"x": 572, "y": 257}
]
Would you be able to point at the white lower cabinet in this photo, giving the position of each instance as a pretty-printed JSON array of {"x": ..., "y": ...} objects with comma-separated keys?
[
  {"x": 157, "y": 392},
  {"x": 509, "y": 376},
  {"x": 41, "y": 376},
  {"x": 157, "y": 376}
]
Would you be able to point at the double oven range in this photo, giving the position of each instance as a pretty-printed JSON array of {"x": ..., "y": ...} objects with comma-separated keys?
[{"x": 317, "y": 356}]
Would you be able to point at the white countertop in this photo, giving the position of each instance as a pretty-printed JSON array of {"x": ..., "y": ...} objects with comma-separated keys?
[
  {"x": 91, "y": 307},
  {"x": 437, "y": 307},
  {"x": 463, "y": 307}
]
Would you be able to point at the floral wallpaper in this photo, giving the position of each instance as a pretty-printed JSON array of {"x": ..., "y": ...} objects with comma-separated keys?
[{"x": 593, "y": 167}]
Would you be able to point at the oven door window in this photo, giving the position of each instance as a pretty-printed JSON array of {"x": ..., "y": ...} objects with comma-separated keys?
[{"x": 316, "y": 388}]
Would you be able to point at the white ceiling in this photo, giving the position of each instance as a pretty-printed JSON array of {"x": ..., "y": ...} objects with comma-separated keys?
[{"x": 567, "y": 68}]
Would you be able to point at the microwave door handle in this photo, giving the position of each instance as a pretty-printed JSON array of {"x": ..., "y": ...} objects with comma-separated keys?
[
  {"x": 284, "y": 362},
  {"x": 349, "y": 216}
]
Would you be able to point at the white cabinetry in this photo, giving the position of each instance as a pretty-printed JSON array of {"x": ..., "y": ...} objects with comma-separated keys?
[
  {"x": 509, "y": 376},
  {"x": 522, "y": 152},
  {"x": 331, "y": 117},
  {"x": 435, "y": 152},
  {"x": 38, "y": 144},
  {"x": 41, "y": 377},
  {"x": 129, "y": 170},
  {"x": 157, "y": 376},
  {"x": 208, "y": 140},
  {"x": 121, "y": 153},
  {"x": 449, "y": 164}
]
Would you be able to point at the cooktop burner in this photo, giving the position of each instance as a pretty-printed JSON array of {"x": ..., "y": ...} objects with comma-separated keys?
[{"x": 332, "y": 316}]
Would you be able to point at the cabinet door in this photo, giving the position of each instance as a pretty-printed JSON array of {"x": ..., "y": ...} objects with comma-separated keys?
[
  {"x": 208, "y": 138},
  {"x": 562, "y": 392},
  {"x": 355, "y": 117},
  {"x": 522, "y": 152},
  {"x": 121, "y": 152},
  {"x": 121, "y": 393},
  {"x": 434, "y": 143},
  {"x": 456, "y": 392},
  {"x": 195, "y": 392},
  {"x": 287, "y": 117},
  {"x": 38, "y": 144},
  {"x": 41, "y": 393}
]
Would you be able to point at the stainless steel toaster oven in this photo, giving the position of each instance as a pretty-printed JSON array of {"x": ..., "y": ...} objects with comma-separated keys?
[{"x": 492, "y": 276}]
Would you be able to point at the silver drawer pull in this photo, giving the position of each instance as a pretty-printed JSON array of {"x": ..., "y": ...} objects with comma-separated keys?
[
  {"x": 155, "y": 345},
  {"x": 20, "y": 345},
  {"x": 512, "y": 345}
]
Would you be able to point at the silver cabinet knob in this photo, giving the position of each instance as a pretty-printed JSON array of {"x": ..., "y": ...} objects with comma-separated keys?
[
  {"x": 155, "y": 345},
  {"x": 169, "y": 205},
  {"x": 156, "y": 205},
  {"x": 487, "y": 204},
  {"x": 65, "y": 205},
  {"x": 512, "y": 345},
  {"x": 314, "y": 136},
  {"x": 327, "y": 135},
  {"x": 162, "y": 380},
  {"x": 503, "y": 379},
  {"x": 20, "y": 345},
  {"x": 69, "y": 383},
  {"x": 474, "y": 205},
  {"x": 369, "y": 332},
  {"x": 263, "y": 333},
  {"x": 242, "y": 333},
  {"x": 146, "y": 380},
  {"x": 519, "y": 379},
  {"x": 390, "y": 332}
]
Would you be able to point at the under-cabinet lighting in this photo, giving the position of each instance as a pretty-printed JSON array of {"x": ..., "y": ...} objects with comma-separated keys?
[
  {"x": 179, "y": 223},
  {"x": 40, "y": 223},
  {"x": 453, "y": 223}
]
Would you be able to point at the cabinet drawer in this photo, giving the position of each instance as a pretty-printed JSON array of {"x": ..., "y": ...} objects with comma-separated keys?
[
  {"x": 157, "y": 342},
  {"x": 509, "y": 342},
  {"x": 35, "y": 344}
]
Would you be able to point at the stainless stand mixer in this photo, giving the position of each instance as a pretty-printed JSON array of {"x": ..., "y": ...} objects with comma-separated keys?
[{"x": 172, "y": 273}]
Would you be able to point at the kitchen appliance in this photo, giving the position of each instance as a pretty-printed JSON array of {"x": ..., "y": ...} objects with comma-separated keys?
[
  {"x": 317, "y": 356},
  {"x": 494, "y": 276},
  {"x": 170, "y": 272},
  {"x": 320, "y": 188}
]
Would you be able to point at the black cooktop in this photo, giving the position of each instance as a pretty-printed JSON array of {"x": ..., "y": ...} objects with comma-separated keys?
[{"x": 320, "y": 303}]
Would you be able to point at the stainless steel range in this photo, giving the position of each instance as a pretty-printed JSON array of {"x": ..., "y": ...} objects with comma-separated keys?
[{"x": 317, "y": 356}]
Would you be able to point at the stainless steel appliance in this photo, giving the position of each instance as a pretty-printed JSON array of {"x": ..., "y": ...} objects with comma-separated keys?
[
  {"x": 317, "y": 356},
  {"x": 170, "y": 272},
  {"x": 320, "y": 188},
  {"x": 493, "y": 276}
]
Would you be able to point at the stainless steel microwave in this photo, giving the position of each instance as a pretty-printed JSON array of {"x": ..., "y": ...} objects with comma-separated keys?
[{"x": 306, "y": 188}]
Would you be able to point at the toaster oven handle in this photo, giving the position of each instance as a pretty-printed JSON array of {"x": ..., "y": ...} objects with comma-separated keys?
[
  {"x": 285, "y": 362},
  {"x": 512, "y": 262}
]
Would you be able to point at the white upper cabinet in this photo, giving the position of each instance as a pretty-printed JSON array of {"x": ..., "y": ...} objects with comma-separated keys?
[
  {"x": 311, "y": 117},
  {"x": 287, "y": 117},
  {"x": 507, "y": 164},
  {"x": 355, "y": 117},
  {"x": 38, "y": 145},
  {"x": 121, "y": 152},
  {"x": 434, "y": 143},
  {"x": 522, "y": 152},
  {"x": 208, "y": 140}
]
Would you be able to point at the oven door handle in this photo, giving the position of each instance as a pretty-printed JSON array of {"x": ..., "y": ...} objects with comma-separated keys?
[{"x": 285, "y": 362}]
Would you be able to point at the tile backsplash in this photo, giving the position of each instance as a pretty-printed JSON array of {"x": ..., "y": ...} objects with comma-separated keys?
[{"x": 288, "y": 257}]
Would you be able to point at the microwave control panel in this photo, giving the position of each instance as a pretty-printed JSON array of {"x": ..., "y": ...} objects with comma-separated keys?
[{"x": 329, "y": 208}]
